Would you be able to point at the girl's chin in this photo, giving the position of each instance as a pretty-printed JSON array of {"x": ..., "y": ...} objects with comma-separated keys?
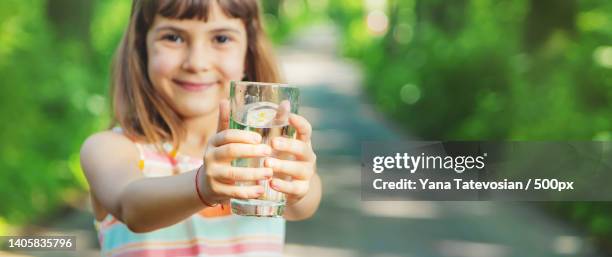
[{"x": 194, "y": 111}]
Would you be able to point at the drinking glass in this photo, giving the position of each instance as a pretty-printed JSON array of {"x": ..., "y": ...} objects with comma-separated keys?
[{"x": 262, "y": 108}]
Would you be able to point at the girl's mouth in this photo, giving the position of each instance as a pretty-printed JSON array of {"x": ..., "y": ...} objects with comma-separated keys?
[{"x": 194, "y": 86}]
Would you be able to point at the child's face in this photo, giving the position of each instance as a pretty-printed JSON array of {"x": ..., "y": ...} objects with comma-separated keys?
[{"x": 191, "y": 62}]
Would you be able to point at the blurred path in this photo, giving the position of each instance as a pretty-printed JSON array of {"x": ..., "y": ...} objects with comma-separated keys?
[{"x": 345, "y": 226}]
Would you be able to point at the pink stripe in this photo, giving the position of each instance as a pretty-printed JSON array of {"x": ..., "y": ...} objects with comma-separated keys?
[
  {"x": 210, "y": 250},
  {"x": 101, "y": 238}
]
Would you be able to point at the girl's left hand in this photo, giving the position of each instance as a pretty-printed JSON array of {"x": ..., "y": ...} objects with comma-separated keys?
[{"x": 302, "y": 168}]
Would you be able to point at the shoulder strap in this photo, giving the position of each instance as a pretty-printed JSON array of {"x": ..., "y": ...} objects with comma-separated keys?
[{"x": 141, "y": 158}]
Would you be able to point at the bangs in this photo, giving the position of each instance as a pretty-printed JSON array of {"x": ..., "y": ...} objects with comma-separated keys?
[
  {"x": 185, "y": 9},
  {"x": 199, "y": 9}
]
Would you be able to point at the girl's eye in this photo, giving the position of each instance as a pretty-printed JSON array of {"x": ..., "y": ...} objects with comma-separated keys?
[
  {"x": 173, "y": 38},
  {"x": 222, "y": 39}
]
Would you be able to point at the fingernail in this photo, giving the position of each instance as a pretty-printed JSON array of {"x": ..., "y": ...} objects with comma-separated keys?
[{"x": 260, "y": 190}]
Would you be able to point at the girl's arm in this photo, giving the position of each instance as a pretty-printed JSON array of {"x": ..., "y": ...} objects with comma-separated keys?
[{"x": 110, "y": 160}]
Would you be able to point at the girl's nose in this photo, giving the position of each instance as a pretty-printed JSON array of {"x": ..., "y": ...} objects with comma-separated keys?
[{"x": 197, "y": 59}]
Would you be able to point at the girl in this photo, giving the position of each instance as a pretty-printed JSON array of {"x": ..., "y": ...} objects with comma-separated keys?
[{"x": 161, "y": 178}]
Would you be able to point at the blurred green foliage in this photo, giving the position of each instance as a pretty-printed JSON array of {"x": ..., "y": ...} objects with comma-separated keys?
[
  {"x": 51, "y": 98},
  {"x": 54, "y": 64},
  {"x": 486, "y": 69},
  {"x": 482, "y": 69},
  {"x": 282, "y": 18}
]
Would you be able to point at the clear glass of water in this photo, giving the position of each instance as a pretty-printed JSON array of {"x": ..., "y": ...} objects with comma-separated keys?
[{"x": 263, "y": 108}]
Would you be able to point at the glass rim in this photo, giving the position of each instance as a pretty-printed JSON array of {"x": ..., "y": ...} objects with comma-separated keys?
[{"x": 274, "y": 84}]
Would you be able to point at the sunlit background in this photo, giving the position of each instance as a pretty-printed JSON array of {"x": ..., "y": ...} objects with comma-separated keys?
[{"x": 369, "y": 70}]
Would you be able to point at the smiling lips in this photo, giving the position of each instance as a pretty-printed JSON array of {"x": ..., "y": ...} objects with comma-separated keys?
[{"x": 194, "y": 86}]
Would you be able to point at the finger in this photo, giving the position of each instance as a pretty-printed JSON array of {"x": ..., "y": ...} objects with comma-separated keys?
[
  {"x": 240, "y": 192},
  {"x": 295, "y": 169},
  {"x": 282, "y": 112},
  {"x": 298, "y": 188},
  {"x": 235, "y": 136},
  {"x": 224, "y": 113},
  {"x": 300, "y": 149},
  {"x": 236, "y": 150},
  {"x": 242, "y": 173},
  {"x": 302, "y": 127}
]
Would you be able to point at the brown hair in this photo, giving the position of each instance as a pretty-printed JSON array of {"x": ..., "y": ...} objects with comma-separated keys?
[{"x": 143, "y": 114}]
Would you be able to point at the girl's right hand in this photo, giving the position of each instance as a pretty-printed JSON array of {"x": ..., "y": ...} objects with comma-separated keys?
[{"x": 218, "y": 176}]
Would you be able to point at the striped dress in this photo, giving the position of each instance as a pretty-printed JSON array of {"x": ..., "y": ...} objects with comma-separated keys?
[{"x": 214, "y": 231}]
